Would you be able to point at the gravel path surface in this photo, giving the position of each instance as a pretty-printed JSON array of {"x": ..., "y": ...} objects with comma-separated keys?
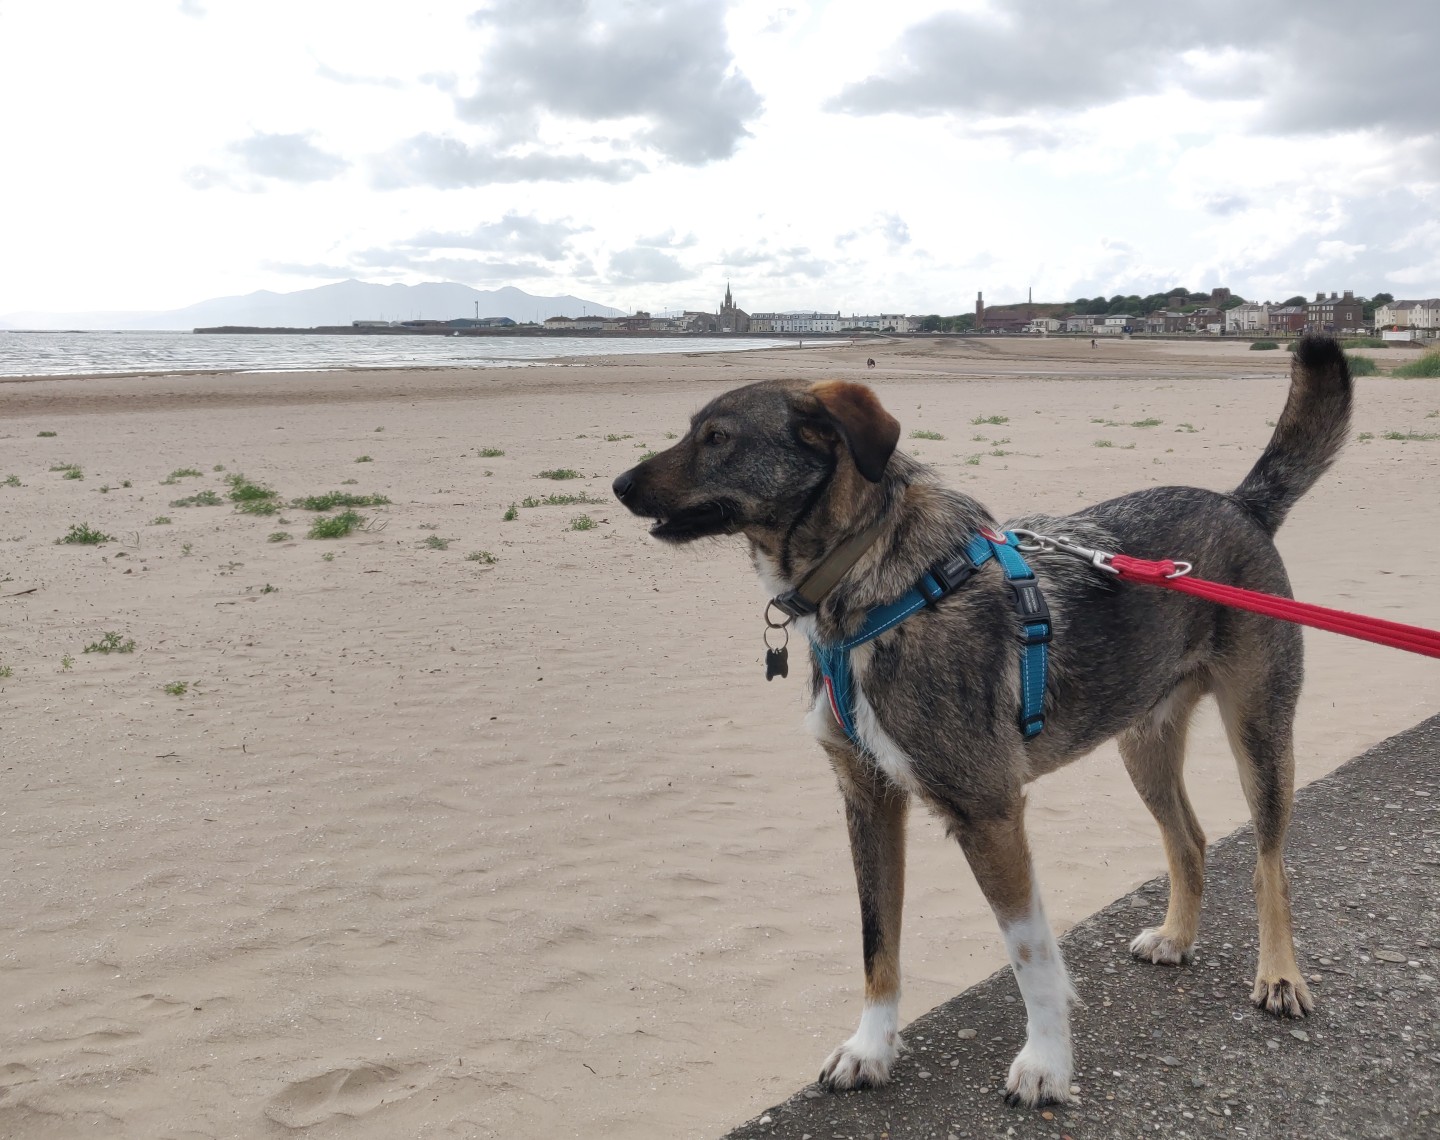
[{"x": 1180, "y": 1052}]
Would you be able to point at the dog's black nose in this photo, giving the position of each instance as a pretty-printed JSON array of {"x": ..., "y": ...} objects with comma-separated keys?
[{"x": 622, "y": 485}]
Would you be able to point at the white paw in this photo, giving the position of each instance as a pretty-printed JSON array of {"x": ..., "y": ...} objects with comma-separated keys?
[
  {"x": 1040, "y": 1074},
  {"x": 861, "y": 1063},
  {"x": 1154, "y": 945}
]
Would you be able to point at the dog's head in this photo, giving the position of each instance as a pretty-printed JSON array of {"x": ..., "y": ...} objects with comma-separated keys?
[{"x": 759, "y": 457}]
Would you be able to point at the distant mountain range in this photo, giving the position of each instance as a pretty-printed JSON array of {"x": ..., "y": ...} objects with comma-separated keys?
[{"x": 337, "y": 304}]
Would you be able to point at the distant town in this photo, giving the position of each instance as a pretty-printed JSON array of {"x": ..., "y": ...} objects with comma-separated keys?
[{"x": 1176, "y": 312}]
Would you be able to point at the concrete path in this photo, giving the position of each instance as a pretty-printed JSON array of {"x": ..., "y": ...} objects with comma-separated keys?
[{"x": 1180, "y": 1052}]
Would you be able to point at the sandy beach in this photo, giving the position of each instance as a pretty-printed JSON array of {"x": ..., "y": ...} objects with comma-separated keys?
[{"x": 432, "y": 846}]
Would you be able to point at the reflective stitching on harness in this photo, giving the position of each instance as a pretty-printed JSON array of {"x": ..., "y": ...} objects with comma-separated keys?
[{"x": 1034, "y": 615}]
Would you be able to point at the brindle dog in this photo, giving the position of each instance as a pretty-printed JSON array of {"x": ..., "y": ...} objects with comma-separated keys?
[{"x": 797, "y": 468}]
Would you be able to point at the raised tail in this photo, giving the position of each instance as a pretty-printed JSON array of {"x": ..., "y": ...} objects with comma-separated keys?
[{"x": 1309, "y": 436}]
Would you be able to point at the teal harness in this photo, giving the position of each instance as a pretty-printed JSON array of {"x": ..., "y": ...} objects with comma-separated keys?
[{"x": 942, "y": 579}]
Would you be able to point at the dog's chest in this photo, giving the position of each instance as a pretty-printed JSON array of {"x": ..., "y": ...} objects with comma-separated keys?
[{"x": 873, "y": 740}]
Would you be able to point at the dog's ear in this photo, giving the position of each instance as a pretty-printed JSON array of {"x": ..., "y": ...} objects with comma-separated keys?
[{"x": 868, "y": 429}]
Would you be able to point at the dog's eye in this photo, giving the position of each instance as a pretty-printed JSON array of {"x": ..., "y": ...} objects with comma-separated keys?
[{"x": 716, "y": 437}]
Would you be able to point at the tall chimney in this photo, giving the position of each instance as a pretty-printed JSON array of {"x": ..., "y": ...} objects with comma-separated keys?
[
  {"x": 979, "y": 312},
  {"x": 1319, "y": 297},
  {"x": 1349, "y": 295}
]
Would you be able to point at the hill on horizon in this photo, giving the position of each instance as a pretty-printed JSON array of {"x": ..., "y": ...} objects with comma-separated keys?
[{"x": 335, "y": 304}]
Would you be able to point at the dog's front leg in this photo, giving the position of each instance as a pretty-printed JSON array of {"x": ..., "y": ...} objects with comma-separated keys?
[
  {"x": 1000, "y": 857},
  {"x": 875, "y": 810}
]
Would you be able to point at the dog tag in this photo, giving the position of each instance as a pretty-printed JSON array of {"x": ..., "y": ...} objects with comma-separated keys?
[{"x": 777, "y": 662}]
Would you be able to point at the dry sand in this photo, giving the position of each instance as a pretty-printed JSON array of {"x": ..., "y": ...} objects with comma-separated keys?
[{"x": 432, "y": 848}]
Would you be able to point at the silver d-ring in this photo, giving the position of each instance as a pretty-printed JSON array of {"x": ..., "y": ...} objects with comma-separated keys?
[
  {"x": 776, "y": 624},
  {"x": 783, "y": 644}
]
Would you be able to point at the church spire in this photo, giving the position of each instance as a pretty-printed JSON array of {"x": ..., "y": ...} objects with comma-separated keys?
[{"x": 729, "y": 301}]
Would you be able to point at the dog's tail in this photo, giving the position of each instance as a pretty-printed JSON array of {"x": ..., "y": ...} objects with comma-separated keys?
[{"x": 1307, "y": 439}]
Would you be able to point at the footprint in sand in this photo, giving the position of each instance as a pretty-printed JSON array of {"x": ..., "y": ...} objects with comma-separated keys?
[{"x": 342, "y": 1092}]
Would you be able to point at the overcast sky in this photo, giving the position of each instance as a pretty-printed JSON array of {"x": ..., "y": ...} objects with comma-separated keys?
[{"x": 846, "y": 155}]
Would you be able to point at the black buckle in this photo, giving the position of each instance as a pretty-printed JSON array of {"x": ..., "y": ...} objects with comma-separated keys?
[
  {"x": 1032, "y": 719},
  {"x": 790, "y": 602},
  {"x": 953, "y": 572},
  {"x": 1032, "y": 610}
]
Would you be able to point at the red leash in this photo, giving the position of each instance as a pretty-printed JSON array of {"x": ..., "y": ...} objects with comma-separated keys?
[
  {"x": 1175, "y": 576},
  {"x": 1392, "y": 633}
]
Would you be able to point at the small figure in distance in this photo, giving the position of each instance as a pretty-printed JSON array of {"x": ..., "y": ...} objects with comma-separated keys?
[{"x": 869, "y": 362}]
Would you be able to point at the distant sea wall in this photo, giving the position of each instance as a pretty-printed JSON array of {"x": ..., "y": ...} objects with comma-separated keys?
[{"x": 604, "y": 334}]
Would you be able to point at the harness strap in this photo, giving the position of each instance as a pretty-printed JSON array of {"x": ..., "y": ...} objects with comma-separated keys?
[{"x": 936, "y": 583}]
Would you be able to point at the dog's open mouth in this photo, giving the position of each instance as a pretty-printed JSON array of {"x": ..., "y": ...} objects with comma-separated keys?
[{"x": 702, "y": 521}]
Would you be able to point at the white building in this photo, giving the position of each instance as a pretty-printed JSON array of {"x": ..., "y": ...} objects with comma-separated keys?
[
  {"x": 1116, "y": 325},
  {"x": 1247, "y": 318},
  {"x": 884, "y": 322},
  {"x": 1425, "y": 317},
  {"x": 810, "y": 322},
  {"x": 1045, "y": 325},
  {"x": 1081, "y": 323}
]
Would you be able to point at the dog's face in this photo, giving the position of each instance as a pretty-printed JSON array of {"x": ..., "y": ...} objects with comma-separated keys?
[{"x": 757, "y": 457}]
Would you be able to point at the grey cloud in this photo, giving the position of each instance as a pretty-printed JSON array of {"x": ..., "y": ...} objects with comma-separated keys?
[
  {"x": 668, "y": 240},
  {"x": 192, "y": 8},
  {"x": 798, "y": 261},
  {"x": 669, "y": 64},
  {"x": 745, "y": 258},
  {"x": 467, "y": 269},
  {"x": 514, "y": 234},
  {"x": 449, "y": 164},
  {"x": 641, "y": 265},
  {"x": 1320, "y": 67},
  {"x": 1223, "y": 205},
  {"x": 288, "y": 158}
]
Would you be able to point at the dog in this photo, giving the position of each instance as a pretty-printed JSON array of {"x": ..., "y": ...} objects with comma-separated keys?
[
  {"x": 800, "y": 468},
  {"x": 869, "y": 362}
]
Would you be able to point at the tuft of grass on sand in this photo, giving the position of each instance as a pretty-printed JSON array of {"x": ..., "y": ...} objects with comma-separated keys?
[
  {"x": 648, "y": 455},
  {"x": 279, "y": 536},
  {"x": 1188, "y": 429},
  {"x": 584, "y": 498},
  {"x": 482, "y": 556},
  {"x": 559, "y": 473},
  {"x": 177, "y": 688},
  {"x": 1412, "y": 436},
  {"x": 252, "y": 498},
  {"x": 269, "y": 589},
  {"x": 491, "y": 452},
  {"x": 11, "y": 481},
  {"x": 333, "y": 499},
  {"x": 1361, "y": 365},
  {"x": 181, "y": 473},
  {"x": 6, "y": 672},
  {"x": 613, "y": 438},
  {"x": 68, "y": 470},
  {"x": 1365, "y": 436},
  {"x": 336, "y": 526},
  {"x": 972, "y": 460},
  {"x": 112, "y": 643},
  {"x": 363, "y": 459},
  {"x": 919, "y": 434},
  {"x": 512, "y": 512},
  {"x": 206, "y": 498},
  {"x": 1149, "y": 421},
  {"x": 1102, "y": 443},
  {"x": 1427, "y": 366},
  {"x": 161, "y": 520},
  {"x": 435, "y": 542},
  {"x": 583, "y": 522},
  {"x": 1262, "y": 345},
  {"x": 67, "y": 663},
  {"x": 81, "y": 534},
  {"x": 991, "y": 420},
  {"x": 1364, "y": 342},
  {"x": 46, "y": 434}
]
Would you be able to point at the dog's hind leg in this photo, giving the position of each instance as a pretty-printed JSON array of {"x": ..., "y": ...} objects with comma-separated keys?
[
  {"x": 1000, "y": 857},
  {"x": 1154, "y": 754},
  {"x": 1258, "y": 708},
  {"x": 875, "y": 810}
]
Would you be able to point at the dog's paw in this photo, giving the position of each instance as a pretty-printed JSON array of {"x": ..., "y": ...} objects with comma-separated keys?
[
  {"x": 1154, "y": 945},
  {"x": 1284, "y": 997},
  {"x": 861, "y": 1063},
  {"x": 1039, "y": 1075}
]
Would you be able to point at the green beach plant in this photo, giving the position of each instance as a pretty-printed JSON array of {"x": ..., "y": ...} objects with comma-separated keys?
[
  {"x": 583, "y": 522},
  {"x": 512, "y": 512},
  {"x": 991, "y": 420},
  {"x": 81, "y": 534},
  {"x": 482, "y": 556},
  {"x": 1426, "y": 367},
  {"x": 12, "y": 480},
  {"x": 435, "y": 542},
  {"x": 111, "y": 642},
  {"x": 333, "y": 499},
  {"x": 205, "y": 498},
  {"x": 1263, "y": 345},
  {"x": 1361, "y": 365},
  {"x": 919, "y": 434},
  {"x": 491, "y": 452},
  {"x": 559, "y": 473},
  {"x": 177, "y": 688},
  {"x": 336, "y": 526}
]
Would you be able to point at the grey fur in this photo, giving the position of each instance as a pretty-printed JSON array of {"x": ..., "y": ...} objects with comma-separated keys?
[{"x": 770, "y": 461}]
